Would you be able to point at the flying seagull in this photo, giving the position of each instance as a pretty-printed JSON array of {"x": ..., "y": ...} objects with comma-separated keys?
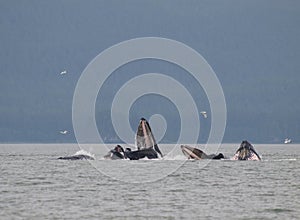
[
  {"x": 287, "y": 140},
  {"x": 63, "y": 72},
  {"x": 63, "y": 132},
  {"x": 204, "y": 114}
]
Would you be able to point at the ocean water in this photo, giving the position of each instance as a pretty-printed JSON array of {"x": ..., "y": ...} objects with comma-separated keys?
[{"x": 35, "y": 185}]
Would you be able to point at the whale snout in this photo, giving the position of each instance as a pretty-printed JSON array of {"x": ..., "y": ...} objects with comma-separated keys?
[{"x": 246, "y": 152}]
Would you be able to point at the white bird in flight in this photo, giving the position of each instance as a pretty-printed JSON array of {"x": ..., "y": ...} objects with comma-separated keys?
[
  {"x": 287, "y": 140},
  {"x": 63, "y": 72},
  {"x": 63, "y": 132},
  {"x": 204, "y": 114}
]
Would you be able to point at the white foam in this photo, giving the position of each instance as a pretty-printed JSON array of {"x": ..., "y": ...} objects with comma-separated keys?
[
  {"x": 83, "y": 152},
  {"x": 175, "y": 157},
  {"x": 288, "y": 159}
]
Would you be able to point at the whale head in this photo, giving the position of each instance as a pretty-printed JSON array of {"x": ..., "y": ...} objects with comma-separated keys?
[
  {"x": 116, "y": 153},
  {"x": 192, "y": 153},
  {"x": 246, "y": 152},
  {"x": 144, "y": 138}
]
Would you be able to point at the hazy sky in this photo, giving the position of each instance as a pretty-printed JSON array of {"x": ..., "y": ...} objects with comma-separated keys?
[{"x": 252, "y": 46}]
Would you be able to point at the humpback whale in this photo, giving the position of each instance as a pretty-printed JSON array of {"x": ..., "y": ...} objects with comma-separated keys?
[
  {"x": 194, "y": 153},
  {"x": 116, "y": 153},
  {"x": 77, "y": 157},
  {"x": 144, "y": 142},
  {"x": 246, "y": 152}
]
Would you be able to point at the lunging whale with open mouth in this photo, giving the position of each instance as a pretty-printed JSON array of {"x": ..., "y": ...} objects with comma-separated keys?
[
  {"x": 194, "y": 153},
  {"x": 145, "y": 143},
  {"x": 246, "y": 152}
]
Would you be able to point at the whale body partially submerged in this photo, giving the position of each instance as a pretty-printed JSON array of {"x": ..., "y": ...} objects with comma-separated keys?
[
  {"x": 197, "y": 154},
  {"x": 145, "y": 144},
  {"x": 77, "y": 157},
  {"x": 246, "y": 152},
  {"x": 116, "y": 153}
]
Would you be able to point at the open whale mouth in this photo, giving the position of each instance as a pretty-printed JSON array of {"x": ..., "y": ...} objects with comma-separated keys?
[
  {"x": 144, "y": 138},
  {"x": 144, "y": 142},
  {"x": 246, "y": 152},
  {"x": 191, "y": 153},
  {"x": 197, "y": 154}
]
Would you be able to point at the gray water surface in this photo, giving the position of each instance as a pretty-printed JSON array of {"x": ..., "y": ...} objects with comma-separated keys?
[{"x": 35, "y": 185}]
